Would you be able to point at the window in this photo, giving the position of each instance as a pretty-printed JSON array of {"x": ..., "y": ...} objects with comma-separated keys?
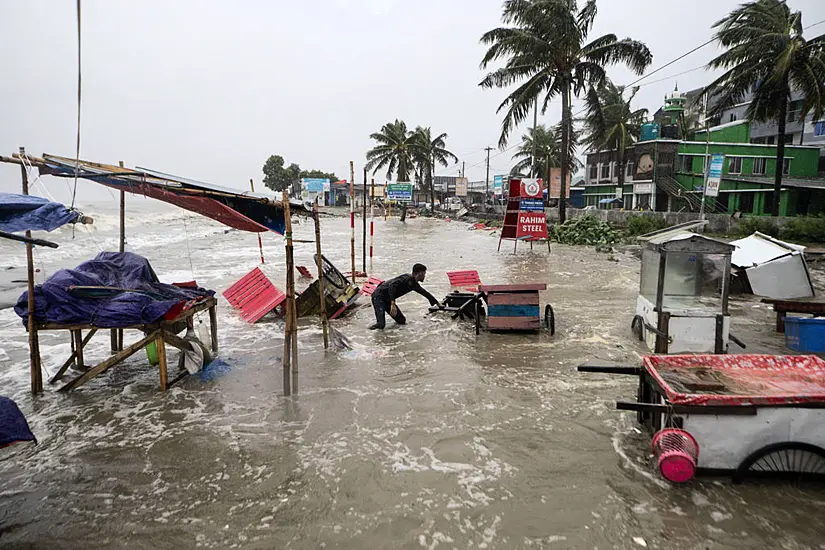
[
  {"x": 771, "y": 140},
  {"x": 746, "y": 203},
  {"x": 686, "y": 163},
  {"x": 732, "y": 117},
  {"x": 605, "y": 171},
  {"x": 819, "y": 128},
  {"x": 759, "y": 166},
  {"x": 767, "y": 206},
  {"x": 629, "y": 170},
  {"x": 786, "y": 166},
  {"x": 794, "y": 110},
  {"x": 788, "y": 139},
  {"x": 734, "y": 165},
  {"x": 594, "y": 172}
]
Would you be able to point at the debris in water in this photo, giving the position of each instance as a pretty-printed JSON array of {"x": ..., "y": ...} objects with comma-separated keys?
[{"x": 640, "y": 541}]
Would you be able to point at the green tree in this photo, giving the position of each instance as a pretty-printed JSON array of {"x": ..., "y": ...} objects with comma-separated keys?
[
  {"x": 427, "y": 152},
  {"x": 611, "y": 123},
  {"x": 280, "y": 178},
  {"x": 318, "y": 174},
  {"x": 547, "y": 146},
  {"x": 394, "y": 151},
  {"x": 767, "y": 54},
  {"x": 545, "y": 45}
]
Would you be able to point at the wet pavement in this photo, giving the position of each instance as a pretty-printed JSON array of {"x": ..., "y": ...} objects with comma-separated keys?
[{"x": 423, "y": 436}]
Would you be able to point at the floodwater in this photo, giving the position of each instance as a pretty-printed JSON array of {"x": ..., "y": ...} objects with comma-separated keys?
[{"x": 423, "y": 436}]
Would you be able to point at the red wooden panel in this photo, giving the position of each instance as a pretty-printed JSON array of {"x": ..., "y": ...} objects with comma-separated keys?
[
  {"x": 304, "y": 271},
  {"x": 520, "y": 298},
  {"x": 468, "y": 279},
  {"x": 369, "y": 287},
  {"x": 254, "y": 295},
  {"x": 513, "y": 323},
  {"x": 512, "y": 288}
]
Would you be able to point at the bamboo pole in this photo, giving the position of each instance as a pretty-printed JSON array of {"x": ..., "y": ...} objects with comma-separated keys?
[
  {"x": 321, "y": 293},
  {"x": 364, "y": 228},
  {"x": 117, "y": 334},
  {"x": 372, "y": 221},
  {"x": 290, "y": 302},
  {"x": 34, "y": 344},
  {"x": 352, "y": 214},
  {"x": 260, "y": 243}
]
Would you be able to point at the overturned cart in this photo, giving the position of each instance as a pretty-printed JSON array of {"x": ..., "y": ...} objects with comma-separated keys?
[{"x": 743, "y": 415}]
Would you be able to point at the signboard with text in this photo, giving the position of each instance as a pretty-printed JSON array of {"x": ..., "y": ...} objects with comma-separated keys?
[
  {"x": 532, "y": 225},
  {"x": 498, "y": 185},
  {"x": 717, "y": 161},
  {"x": 315, "y": 185},
  {"x": 399, "y": 191},
  {"x": 461, "y": 187},
  {"x": 554, "y": 191}
]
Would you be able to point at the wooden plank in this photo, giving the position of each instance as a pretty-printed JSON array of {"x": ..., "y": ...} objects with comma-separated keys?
[
  {"x": 508, "y": 310},
  {"x": 62, "y": 370},
  {"x": 513, "y": 323},
  {"x": 512, "y": 288},
  {"x": 213, "y": 326},
  {"x": 108, "y": 363},
  {"x": 520, "y": 298}
]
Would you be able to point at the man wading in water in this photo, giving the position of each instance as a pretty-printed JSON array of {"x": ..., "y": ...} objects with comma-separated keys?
[{"x": 383, "y": 299}]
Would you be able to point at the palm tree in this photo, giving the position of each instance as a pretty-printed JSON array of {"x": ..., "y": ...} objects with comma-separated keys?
[
  {"x": 767, "y": 53},
  {"x": 546, "y": 145},
  {"x": 428, "y": 152},
  {"x": 545, "y": 45},
  {"x": 610, "y": 122},
  {"x": 394, "y": 151}
]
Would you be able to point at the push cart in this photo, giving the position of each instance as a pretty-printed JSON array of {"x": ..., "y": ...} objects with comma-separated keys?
[{"x": 744, "y": 415}]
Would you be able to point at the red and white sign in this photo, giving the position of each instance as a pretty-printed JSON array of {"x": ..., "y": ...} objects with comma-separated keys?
[
  {"x": 533, "y": 188},
  {"x": 532, "y": 225}
]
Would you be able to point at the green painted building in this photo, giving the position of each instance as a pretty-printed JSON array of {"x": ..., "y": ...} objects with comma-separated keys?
[{"x": 678, "y": 168}]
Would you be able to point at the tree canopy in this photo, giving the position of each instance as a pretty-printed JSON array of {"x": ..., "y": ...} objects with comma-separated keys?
[
  {"x": 279, "y": 177},
  {"x": 766, "y": 54}
]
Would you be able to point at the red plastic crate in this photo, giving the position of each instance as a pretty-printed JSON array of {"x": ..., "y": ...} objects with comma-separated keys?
[
  {"x": 254, "y": 295},
  {"x": 369, "y": 287}
]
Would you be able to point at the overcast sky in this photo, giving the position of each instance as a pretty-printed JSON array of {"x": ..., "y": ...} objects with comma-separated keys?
[{"x": 209, "y": 89}]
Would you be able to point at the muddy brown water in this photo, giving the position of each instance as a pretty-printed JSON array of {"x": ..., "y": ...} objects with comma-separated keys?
[{"x": 423, "y": 436}]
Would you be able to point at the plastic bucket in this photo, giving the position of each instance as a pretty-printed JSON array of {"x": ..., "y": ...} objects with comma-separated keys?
[{"x": 676, "y": 453}]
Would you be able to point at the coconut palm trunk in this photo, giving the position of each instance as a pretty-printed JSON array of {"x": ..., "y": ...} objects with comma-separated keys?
[
  {"x": 567, "y": 122},
  {"x": 781, "y": 121}
]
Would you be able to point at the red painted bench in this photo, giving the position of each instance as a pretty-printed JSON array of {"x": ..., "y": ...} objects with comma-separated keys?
[
  {"x": 466, "y": 280},
  {"x": 254, "y": 295}
]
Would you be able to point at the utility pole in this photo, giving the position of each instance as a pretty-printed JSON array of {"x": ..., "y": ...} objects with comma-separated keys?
[{"x": 487, "y": 186}]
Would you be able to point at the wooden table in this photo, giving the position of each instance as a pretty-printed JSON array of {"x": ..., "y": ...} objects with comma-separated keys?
[
  {"x": 782, "y": 306},
  {"x": 160, "y": 332},
  {"x": 513, "y": 307}
]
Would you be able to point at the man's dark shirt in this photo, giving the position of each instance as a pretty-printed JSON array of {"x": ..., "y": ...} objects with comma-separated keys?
[{"x": 401, "y": 285}]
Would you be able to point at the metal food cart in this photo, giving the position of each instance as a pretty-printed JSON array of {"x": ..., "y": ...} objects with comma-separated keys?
[{"x": 683, "y": 296}]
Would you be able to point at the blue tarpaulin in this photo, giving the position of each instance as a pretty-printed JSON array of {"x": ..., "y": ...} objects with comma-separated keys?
[
  {"x": 117, "y": 289},
  {"x": 13, "y": 425},
  {"x": 30, "y": 213}
]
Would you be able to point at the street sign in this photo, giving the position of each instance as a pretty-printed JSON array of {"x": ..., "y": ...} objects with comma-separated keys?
[
  {"x": 399, "y": 191},
  {"x": 531, "y": 187},
  {"x": 532, "y": 225},
  {"x": 461, "y": 187},
  {"x": 531, "y": 205},
  {"x": 315, "y": 185},
  {"x": 717, "y": 161},
  {"x": 498, "y": 185}
]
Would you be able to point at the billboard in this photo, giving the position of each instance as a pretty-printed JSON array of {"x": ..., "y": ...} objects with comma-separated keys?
[
  {"x": 717, "y": 161},
  {"x": 399, "y": 191},
  {"x": 498, "y": 184},
  {"x": 555, "y": 184},
  {"x": 461, "y": 187},
  {"x": 315, "y": 185}
]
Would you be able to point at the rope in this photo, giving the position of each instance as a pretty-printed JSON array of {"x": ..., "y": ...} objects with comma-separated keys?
[
  {"x": 100, "y": 248},
  {"x": 77, "y": 149},
  {"x": 188, "y": 248}
]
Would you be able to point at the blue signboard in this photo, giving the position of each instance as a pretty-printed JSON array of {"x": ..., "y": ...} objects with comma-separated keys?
[
  {"x": 315, "y": 185},
  {"x": 531, "y": 205},
  {"x": 399, "y": 191},
  {"x": 498, "y": 184},
  {"x": 717, "y": 161}
]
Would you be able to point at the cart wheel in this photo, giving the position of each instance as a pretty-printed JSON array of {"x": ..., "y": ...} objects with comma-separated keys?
[
  {"x": 789, "y": 460},
  {"x": 637, "y": 325},
  {"x": 550, "y": 319}
]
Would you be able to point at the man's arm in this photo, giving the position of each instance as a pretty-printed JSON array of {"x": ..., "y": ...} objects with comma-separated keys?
[{"x": 421, "y": 290}]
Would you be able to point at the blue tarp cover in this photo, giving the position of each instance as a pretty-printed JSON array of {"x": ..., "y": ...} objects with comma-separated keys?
[
  {"x": 13, "y": 425},
  {"x": 29, "y": 213},
  {"x": 143, "y": 299}
]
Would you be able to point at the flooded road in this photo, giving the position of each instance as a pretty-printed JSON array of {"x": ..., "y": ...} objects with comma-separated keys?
[{"x": 423, "y": 436}]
